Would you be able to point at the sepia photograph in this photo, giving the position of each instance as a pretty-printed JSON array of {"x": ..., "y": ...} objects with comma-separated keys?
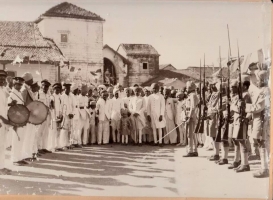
[{"x": 135, "y": 98}]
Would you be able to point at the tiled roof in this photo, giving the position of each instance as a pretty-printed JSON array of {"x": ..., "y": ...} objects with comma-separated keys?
[
  {"x": 165, "y": 65},
  {"x": 17, "y": 39},
  {"x": 139, "y": 49},
  {"x": 68, "y": 10},
  {"x": 163, "y": 74},
  {"x": 21, "y": 34}
]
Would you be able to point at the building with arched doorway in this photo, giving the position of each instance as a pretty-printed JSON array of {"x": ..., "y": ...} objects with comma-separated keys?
[{"x": 130, "y": 64}]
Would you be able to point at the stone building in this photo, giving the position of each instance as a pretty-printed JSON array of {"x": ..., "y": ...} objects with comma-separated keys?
[{"x": 143, "y": 62}]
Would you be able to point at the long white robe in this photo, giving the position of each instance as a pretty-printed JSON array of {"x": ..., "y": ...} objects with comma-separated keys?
[
  {"x": 68, "y": 105},
  {"x": 83, "y": 120},
  {"x": 17, "y": 152},
  {"x": 44, "y": 128},
  {"x": 53, "y": 131}
]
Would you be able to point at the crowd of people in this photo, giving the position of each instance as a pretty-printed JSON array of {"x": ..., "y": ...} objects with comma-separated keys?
[{"x": 81, "y": 115}]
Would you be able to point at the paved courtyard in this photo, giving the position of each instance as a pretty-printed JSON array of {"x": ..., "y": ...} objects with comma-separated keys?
[{"x": 115, "y": 170}]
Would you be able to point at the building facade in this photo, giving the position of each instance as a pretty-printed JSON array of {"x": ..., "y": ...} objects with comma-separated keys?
[
  {"x": 144, "y": 62},
  {"x": 79, "y": 35}
]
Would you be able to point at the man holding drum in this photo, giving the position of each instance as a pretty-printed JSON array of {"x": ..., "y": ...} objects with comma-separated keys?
[
  {"x": 3, "y": 113},
  {"x": 18, "y": 136},
  {"x": 29, "y": 146}
]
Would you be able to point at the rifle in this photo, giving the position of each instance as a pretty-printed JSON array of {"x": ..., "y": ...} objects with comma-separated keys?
[
  {"x": 204, "y": 92},
  {"x": 200, "y": 125},
  {"x": 242, "y": 110},
  {"x": 227, "y": 120},
  {"x": 220, "y": 113}
]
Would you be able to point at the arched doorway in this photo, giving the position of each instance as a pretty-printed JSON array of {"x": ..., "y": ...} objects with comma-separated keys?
[{"x": 109, "y": 72}]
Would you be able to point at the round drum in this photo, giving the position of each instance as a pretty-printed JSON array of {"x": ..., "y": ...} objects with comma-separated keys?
[
  {"x": 38, "y": 112},
  {"x": 18, "y": 115}
]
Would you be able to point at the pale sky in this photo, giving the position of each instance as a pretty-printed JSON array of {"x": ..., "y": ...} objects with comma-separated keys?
[{"x": 180, "y": 31}]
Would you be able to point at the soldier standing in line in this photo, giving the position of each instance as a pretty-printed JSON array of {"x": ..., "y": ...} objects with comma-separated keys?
[
  {"x": 260, "y": 110},
  {"x": 191, "y": 119}
]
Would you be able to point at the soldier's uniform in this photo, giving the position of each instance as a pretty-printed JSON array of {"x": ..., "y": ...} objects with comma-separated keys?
[
  {"x": 260, "y": 110},
  {"x": 211, "y": 124},
  {"x": 191, "y": 104},
  {"x": 240, "y": 127}
]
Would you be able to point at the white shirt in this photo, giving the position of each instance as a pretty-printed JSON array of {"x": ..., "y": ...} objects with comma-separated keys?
[
  {"x": 115, "y": 105},
  {"x": 83, "y": 104},
  {"x": 57, "y": 103},
  {"x": 3, "y": 103},
  {"x": 15, "y": 95},
  {"x": 103, "y": 107},
  {"x": 67, "y": 103},
  {"x": 126, "y": 101},
  {"x": 156, "y": 105},
  {"x": 45, "y": 98}
]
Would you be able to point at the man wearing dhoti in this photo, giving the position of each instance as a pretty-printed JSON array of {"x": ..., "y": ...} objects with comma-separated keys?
[{"x": 155, "y": 112}]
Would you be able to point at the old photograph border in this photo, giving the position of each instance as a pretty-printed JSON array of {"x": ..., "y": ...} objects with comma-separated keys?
[{"x": 270, "y": 189}]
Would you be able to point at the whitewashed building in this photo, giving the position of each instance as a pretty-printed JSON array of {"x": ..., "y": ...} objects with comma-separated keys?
[{"x": 79, "y": 35}]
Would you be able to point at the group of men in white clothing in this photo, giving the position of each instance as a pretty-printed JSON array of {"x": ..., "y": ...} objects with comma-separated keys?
[{"x": 76, "y": 118}]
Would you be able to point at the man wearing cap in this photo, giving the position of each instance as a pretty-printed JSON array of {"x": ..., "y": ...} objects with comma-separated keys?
[
  {"x": 103, "y": 112},
  {"x": 83, "y": 117},
  {"x": 43, "y": 95},
  {"x": 191, "y": 119},
  {"x": 3, "y": 113},
  {"x": 67, "y": 109},
  {"x": 155, "y": 113},
  {"x": 32, "y": 131},
  {"x": 26, "y": 89},
  {"x": 115, "y": 106},
  {"x": 260, "y": 110},
  {"x": 210, "y": 125},
  {"x": 18, "y": 136},
  {"x": 56, "y": 117}
]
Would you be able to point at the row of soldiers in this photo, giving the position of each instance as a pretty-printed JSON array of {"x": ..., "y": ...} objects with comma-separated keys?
[
  {"x": 79, "y": 116},
  {"x": 241, "y": 120}
]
